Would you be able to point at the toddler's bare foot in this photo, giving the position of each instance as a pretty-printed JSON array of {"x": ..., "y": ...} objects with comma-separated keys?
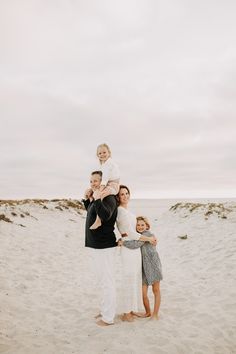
[
  {"x": 95, "y": 225},
  {"x": 103, "y": 324}
]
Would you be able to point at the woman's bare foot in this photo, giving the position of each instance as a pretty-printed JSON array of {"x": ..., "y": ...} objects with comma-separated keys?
[
  {"x": 147, "y": 315},
  {"x": 103, "y": 324},
  {"x": 127, "y": 317},
  {"x": 141, "y": 314}
]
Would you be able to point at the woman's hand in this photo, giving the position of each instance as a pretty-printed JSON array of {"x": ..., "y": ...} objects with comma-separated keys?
[
  {"x": 153, "y": 240},
  {"x": 120, "y": 242}
]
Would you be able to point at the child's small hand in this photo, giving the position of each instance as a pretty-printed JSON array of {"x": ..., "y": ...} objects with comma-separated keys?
[
  {"x": 97, "y": 194},
  {"x": 102, "y": 187}
]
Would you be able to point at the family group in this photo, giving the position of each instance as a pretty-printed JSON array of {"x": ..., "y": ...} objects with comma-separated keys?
[{"x": 107, "y": 205}]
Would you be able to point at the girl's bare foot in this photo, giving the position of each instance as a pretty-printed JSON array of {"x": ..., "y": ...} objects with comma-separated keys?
[
  {"x": 127, "y": 317},
  {"x": 154, "y": 317}
]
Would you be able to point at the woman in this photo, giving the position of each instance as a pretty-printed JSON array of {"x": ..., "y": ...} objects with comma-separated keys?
[{"x": 131, "y": 258}]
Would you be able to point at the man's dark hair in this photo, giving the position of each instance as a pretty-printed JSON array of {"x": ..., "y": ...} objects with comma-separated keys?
[{"x": 97, "y": 173}]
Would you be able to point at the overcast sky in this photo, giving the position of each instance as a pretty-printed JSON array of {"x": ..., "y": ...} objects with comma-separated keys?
[{"x": 154, "y": 79}]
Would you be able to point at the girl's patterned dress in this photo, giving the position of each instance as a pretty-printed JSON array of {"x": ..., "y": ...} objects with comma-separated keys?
[{"x": 151, "y": 263}]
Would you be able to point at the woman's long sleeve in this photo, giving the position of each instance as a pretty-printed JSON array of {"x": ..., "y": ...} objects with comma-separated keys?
[{"x": 124, "y": 225}]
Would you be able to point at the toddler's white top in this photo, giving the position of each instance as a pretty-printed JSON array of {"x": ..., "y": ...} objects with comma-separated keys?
[{"x": 110, "y": 171}]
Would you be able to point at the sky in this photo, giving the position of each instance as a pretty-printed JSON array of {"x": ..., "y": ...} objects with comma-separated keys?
[{"x": 154, "y": 79}]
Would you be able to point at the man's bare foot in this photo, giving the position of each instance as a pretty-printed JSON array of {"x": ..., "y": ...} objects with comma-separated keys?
[
  {"x": 103, "y": 324},
  {"x": 97, "y": 316},
  {"x": 154, "y": 317},
  {"x": 127, "y": 317},
  {"x": 141, "y": 314}
]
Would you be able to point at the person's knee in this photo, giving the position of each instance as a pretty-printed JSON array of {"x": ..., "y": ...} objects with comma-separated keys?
[{"x": 156, "y": 290}]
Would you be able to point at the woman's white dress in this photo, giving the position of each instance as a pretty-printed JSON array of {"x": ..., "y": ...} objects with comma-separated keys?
[{"x": 131, "y": 263}]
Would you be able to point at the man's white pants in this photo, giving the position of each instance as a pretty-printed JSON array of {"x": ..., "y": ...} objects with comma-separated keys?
[{"x": 104, "y": 267}]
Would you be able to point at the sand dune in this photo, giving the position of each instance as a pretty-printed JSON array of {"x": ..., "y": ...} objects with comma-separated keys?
[{"x": 49, "y": 297}]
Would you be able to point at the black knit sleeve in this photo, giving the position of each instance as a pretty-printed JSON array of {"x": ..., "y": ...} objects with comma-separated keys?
[
  {"x": 106, "y": 207},
  {"x": 86, "y": 203}
]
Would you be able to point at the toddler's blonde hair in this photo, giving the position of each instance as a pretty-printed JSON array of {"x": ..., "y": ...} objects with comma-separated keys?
[
  {"x": 105, "y": 146},
  {"x": 143, "y": 218}
]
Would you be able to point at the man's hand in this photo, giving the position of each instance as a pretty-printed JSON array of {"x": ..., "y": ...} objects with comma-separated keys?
[{"x": 88, "y": 193}]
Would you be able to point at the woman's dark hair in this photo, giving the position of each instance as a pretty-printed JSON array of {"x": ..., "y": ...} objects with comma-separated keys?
[{"x": 122, "y": 186}]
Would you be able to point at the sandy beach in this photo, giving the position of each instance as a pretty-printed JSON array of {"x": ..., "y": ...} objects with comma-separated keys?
[{"x": 48, "y": 293}]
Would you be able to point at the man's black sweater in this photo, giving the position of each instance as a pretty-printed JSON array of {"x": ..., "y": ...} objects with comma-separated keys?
[{"x": 103, "y": 236}]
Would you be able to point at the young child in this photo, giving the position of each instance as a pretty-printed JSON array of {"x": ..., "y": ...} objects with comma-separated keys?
[
  {"x": 151, "y": 266},
  {"x": 110, "y": 176}
]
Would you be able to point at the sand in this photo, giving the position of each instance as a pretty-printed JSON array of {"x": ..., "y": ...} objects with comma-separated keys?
[{"x": 49, "y": 296}]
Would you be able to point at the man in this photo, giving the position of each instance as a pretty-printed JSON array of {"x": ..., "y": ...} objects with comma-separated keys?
[{"x": 103, "y": 242}]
